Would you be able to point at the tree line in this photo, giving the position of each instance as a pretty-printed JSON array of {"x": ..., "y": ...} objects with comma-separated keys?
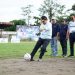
[{"x": 49, "y": 7}]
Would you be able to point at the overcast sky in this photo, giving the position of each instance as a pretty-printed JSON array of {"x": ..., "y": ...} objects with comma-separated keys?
[{"x": 11, "y": 9}]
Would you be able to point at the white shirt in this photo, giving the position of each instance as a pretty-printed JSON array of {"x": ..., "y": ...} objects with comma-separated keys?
[
  {"x": 46, "y": 32},
  {"x": 71, "y": 26}
]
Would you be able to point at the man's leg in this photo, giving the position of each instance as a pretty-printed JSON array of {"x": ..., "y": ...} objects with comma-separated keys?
[
  {"x": 37, "y": 46},
  {"x": 54, "y": 46},
  {"x": 43, "y": 48},
  {"x": 63, "y": 43},
  {"x": 71, "y": 45},
  {"x": 65, "y": 47}
]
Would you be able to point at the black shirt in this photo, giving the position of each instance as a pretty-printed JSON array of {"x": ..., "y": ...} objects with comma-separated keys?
[
  {"x": 55, "y": 29},
  {"x": 63, "y": 31}
]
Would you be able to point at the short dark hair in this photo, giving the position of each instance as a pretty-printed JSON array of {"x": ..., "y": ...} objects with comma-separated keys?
[
  {"x": 44, "y": 18},
  {"x": 63, "y": 20}
]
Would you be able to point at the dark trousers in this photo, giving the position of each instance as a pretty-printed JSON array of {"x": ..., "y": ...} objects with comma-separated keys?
[
  {"x": 63, "y": 43},
  {"x": 41, "y": 43},
  {"x": 72, "y": 40}
]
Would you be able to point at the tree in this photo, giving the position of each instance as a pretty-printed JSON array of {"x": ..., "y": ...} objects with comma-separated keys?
[
  {"x": 27, "y": 11},
  {"x": 52, "y": 8},
  {"x": 15, "y": 23},
  {"x": 71, "y": 10},
  {"x": 19, "y": 22},
  {"x": 69, "y": 18},
  {"x": 73, "y": 7},
  {"x": 37, "y": 20}
]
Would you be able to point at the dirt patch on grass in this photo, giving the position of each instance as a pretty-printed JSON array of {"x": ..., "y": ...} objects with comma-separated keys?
[{"x": 52, "y": 66}]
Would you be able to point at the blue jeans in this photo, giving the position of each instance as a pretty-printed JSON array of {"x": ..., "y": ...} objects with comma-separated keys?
[{"x": 54, "y": 46}]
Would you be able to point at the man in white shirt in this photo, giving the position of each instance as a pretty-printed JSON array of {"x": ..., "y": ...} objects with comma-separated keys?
[
  {"x": 44, "y": 38},
  {"x": 72, "y": 35}
]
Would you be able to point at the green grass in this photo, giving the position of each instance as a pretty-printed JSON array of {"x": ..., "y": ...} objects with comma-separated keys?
[
  {"x": 8, "y": 50},
  {"x": 17, "y": 50}
]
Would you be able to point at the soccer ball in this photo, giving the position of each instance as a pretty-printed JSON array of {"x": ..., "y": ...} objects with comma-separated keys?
[{"x": 27, "y": 56}]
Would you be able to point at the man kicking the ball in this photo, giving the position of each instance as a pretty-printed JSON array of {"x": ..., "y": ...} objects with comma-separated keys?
[{"x": 44, "y": 38}]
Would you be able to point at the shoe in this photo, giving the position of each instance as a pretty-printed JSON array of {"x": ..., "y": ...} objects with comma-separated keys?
[
  {"x": 65, "y": 56},
  {"x": 39, "y": 60},
  {"x": 71, "y": 56},
  {"x": 32, "y": 60}
]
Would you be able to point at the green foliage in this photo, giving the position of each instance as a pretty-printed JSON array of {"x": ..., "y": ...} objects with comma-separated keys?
[
  {"x": 18, "y": 22},
  {"x": 52, "y": 8},
  {"x": 15, "y": 22},
  {"x": 37, "y": 19},
  {"x": 59, "y": 19},
  {"x": 73, "y": 7},
  {"x": 26, "y": 11},
  {"x": 12, "y": 28},
  {"x": 69, "y": 18}
]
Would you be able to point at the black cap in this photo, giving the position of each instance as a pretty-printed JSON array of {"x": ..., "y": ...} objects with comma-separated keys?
[{"x": 44, "y": 18}]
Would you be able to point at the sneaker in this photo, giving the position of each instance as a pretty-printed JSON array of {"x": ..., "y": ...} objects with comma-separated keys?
[
  {"x": 71, "y": 56},
  {"x": 32, "y": 60},
  {"x": 39, "y": 60},
  {"x": 65, "y": 56}
]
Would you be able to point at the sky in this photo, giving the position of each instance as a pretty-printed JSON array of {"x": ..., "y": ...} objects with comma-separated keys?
[{"x": 11, "y": 9}]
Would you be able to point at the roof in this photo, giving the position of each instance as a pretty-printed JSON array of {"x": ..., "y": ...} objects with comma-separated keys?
[{"x": 5, "y": 24}]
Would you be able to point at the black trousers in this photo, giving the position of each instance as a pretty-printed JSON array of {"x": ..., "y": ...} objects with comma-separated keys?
[
  {"x": 63, "y": 43},
  {"x": 41, "y": 43},
  {"x": 72, "y": 40}
]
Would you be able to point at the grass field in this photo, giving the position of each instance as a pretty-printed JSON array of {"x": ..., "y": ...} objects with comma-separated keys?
[
  {"x": 12, "y": 62},
  {"x": 17, "y": 50}
]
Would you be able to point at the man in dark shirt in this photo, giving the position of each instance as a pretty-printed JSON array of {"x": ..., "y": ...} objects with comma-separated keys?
[
  {"x": 63, "y": 29},
  {"x": 55, "y": 30}
]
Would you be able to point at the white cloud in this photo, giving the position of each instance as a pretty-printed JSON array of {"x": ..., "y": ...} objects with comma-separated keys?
[
  {"x": 67, "y": 3},
  {"x": 11, "y": 9}
]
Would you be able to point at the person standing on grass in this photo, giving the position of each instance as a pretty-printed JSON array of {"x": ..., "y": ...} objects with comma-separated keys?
[
  {"x": 44, "y": 38},
  {"x": 53, "y": 42},
  {"x": 72, "y": 35},
  {"x": 63, "y": 33}
]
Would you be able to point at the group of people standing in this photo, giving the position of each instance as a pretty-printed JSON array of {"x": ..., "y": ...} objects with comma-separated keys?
[
  {"x": 59, "y": 32},
  {"x": 50, "y": 32},
  {"x": 63, "y": 32}
]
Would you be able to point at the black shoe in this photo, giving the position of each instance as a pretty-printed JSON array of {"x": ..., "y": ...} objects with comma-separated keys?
[
  {"x": 39, "y": 60},
  {"x": 32, "y": 60},
  {"x": 64, "y": 55},
  {"x": 71, "y": 56}
]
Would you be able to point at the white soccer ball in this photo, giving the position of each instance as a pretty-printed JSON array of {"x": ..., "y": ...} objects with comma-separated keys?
[{"x": 27, "y": 56}]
